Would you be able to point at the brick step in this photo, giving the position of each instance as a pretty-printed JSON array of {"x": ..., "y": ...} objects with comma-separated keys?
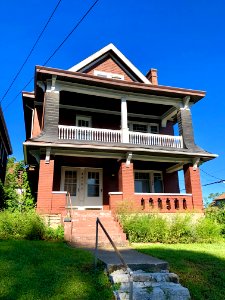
[{"x": 84, "y": 228}]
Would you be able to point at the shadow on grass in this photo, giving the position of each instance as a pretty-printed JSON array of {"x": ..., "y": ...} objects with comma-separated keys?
[
  {"x": 201, "y": 268},
  {"x": 47, "y": 270}
]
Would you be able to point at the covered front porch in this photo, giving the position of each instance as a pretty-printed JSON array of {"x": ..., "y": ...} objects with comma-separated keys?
[{"x": 97, "y": 183}]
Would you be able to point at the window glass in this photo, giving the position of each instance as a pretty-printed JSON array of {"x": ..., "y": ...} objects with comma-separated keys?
[
  {"x": 140, "y": 127},
  {"x": 154, "y": 128},
  {"x": 158, "y": 186},
  {"x": 142, "y": 182},
  {"x": 70, "y": 183},
  {"x": 93, "y": 184}
]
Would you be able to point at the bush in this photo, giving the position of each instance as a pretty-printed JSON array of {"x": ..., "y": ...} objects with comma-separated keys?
[
  {"x": 207, "y": 231},
  {"x": 54, "y": 234},
  {"x": 179, "y": 229},
  {"x": 26, "y": 225},
  {"x": 217, "y": 215}
]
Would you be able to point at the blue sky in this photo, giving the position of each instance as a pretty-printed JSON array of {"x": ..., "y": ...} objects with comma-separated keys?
[{"x": 184, "y": 40}]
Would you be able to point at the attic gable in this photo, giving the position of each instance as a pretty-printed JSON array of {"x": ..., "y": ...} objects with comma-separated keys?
[{"x": 110, "y": 62}]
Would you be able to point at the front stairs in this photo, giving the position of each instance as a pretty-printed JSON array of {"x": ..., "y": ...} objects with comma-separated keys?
[{"x": 81, "y": 231}]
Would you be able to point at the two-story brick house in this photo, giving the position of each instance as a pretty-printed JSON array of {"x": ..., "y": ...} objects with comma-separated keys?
[{"x": 103, "y": 132}]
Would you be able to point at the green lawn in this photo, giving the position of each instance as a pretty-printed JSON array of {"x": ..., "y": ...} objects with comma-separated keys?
[
  {"x": 201, "y": 267},
  {"x": 48, "y": 270}
]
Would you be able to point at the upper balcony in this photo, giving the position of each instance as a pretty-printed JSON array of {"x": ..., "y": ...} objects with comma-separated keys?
[{"x": 117, "y": 136}]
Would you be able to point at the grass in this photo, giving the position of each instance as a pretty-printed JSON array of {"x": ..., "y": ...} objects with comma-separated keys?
[
  {"x": 200, "y": 267},
  {"x": 49, "y": 270}
]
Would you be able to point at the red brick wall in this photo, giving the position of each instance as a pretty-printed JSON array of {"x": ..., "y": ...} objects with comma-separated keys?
[
  {"x": 193, "y": 186},
  {"x": 109, "y": 65},
  {"x": 126, "y": 181},
  {"x": 45, "y": 184}
]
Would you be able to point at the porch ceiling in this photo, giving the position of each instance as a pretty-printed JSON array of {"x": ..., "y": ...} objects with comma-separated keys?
[{"x": 113, "y": 105}]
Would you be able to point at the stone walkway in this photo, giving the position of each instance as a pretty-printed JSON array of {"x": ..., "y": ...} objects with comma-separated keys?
[{"x": 150, "y": 276}]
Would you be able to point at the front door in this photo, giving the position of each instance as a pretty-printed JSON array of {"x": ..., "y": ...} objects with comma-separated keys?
[{"x": 84, "y": 186}]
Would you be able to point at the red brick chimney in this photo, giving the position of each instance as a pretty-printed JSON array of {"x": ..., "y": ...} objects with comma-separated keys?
[{"x": 152, "y": 76}]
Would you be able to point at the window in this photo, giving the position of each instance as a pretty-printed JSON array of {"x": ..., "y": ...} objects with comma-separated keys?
[
  {"x": 144, "y": 127},
  {"x": 93, "y": 184},
  {"x": 70, "y": 183},
  {"x": 148, "y": 182},
  {"x": 108, "y": 75},
  {"x": 83, "y": 121}
]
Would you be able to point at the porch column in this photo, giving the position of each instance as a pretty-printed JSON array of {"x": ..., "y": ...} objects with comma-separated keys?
[
  {"x": 184, "y": 119},
  {"x": 124, "y": 124},
  {"x": 126, "y": 181},
  {"x": 45, "y": 184},
  {"x": 193, "y": 185}
]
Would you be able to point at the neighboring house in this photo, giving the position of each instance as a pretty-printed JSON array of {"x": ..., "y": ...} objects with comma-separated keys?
[
  {"x": 5, "y": 146},
  {"x": 219, "y": 201},
  {"x": 104, "y": 132}
]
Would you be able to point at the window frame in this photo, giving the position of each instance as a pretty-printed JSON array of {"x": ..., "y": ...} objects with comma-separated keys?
[
  {"x": 151, "y": 180},
  {"x": 131, "y": 124},
  {"x": 85, "y": 118}
]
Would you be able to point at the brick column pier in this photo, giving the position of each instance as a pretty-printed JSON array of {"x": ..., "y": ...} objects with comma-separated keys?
[{"x": 193, "y": 186}]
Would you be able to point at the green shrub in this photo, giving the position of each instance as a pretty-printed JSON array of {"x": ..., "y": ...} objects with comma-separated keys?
[
  {"x": 54, "y": 234},
  {"x": 207, "y": 231},
  {"x": 179, "y": 229},
  {"x": 26, "y": 225},
  {"x": 217, "y": 214}
]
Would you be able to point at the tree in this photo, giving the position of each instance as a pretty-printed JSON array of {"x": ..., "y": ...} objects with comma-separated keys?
[
  {"x": 17, "y": 192},
  {"x": 210, "y": 198}
]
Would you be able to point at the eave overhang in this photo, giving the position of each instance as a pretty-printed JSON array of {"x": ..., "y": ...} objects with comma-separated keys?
[{"x": 45, "y": 73}]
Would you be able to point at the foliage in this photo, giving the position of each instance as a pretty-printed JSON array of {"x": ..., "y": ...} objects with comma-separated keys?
[
  {"x": 179, "y": 229},
  {"x": 208, "y": 200},
  {"x": 17, "y": 191},
  {"x": 55, "y": 234},
  {"x": 200, "y": 267},
  {"x": 217, "y": 215},
  {"x": 26, "y": 225},
  {"x": 49, "y": 270}
]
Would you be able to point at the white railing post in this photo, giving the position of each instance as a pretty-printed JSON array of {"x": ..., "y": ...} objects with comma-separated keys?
[
  {"x": 118, "y": 136},
  {"x": 124, "y": 124}
]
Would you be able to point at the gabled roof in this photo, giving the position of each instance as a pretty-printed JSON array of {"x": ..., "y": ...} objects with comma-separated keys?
[
  {"x": 114, "y": 52},
  {"x": 220, "y": 197}
]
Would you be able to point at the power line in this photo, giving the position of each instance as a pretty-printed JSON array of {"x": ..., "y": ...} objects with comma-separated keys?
[
  {"x": 220, "y": 181},
  {"x": 31, "y": 51},
  {"x": 210, "y": 175},
  {"x": 56, "y": 50}
]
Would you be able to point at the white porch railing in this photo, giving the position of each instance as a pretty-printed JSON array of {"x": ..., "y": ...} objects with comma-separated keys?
[
  {"x": 89, "y": 134},
  {"x": 149, "y": 139},
  {"x": 115, "y": 136}
]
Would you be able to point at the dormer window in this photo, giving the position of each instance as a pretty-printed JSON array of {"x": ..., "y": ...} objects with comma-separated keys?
[{"x": 108, "y": 75}]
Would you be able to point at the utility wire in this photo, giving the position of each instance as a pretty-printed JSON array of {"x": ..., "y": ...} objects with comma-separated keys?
[
  {"x": 210, "y": 175},
  {"x": 220, "y": 181},
  {"x": 31, "y": 51},
  {"x": 56, "y": 50}
]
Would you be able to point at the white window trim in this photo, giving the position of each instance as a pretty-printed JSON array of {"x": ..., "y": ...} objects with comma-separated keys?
[
  {"x": 85, "y": 118},
  {"x": 108, "y": 75},
  {"x": 151, "y": 173},
  {"x": 130, "y": 125}
]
